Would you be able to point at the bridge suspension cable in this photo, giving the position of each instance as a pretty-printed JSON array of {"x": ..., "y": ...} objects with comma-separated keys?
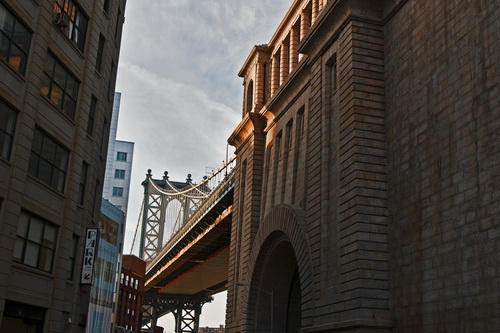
[
  {"x": 167, "y": 205},
  {"x": 137, "y": 226}
]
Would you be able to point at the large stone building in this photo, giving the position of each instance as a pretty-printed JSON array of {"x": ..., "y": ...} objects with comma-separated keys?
[
  {"x": 367, "y": 193},
  {"x": 58, "y": 62}
]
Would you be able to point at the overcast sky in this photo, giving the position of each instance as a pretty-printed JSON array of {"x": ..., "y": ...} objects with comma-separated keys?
[{"x": 181, "y": 94}]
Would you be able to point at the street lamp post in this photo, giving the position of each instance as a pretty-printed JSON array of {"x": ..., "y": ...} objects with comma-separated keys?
[{"x": 239, "y": 284}]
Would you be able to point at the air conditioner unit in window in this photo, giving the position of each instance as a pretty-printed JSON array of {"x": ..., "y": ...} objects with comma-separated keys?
[{"x": 61, "y": 20}]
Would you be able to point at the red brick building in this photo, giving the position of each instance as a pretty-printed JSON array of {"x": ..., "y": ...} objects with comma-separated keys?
[
  {"x": 367, "y": 188},
  {"x": 130, "y": 298}
]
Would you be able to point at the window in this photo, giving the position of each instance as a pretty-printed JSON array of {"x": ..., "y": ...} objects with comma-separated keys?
[
  {"x": 7, "y": 126},
  {"x": 72, "y": 257},
  {"x": 48, "y": 160},
  {"x": 104, "y": 137},
  {"x": 83, "y": 183},
  {"x": 121, "y": 156},
  {"x": 100, "y": 53},
  {"x": 118, "y": 191},
  {"x": 97, "y": 197},
  {"x": 249, "y": 97},
  {"x": 106, "y": 6},
  {"x": 333, "y": 74},
  {"x": 35, "y": 242},
  {"x": 15, "y": 40},
  {"x": 110, "y": 82},
  {"x": 72, "y": 21},
  {"x": 60, "y": 86},
  {"x": 118, "y": 21},
  {"x": 91, "y": 121},
  {"x": 120, "y": 174},
  {"x": 107, "y": 274}
]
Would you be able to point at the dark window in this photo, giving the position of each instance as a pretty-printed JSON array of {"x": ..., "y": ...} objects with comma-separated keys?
[
  {"x": 118, "y": 21},
  {"x": 7, "y": 126},
  {"x": 97, "y": 197},
  {"x": 60, "y": 86},
  {"x": 111, "y": 76},
  {"x": 333, "y": 74},
  {"x": 70, "y": 18},
  {"x": 35, "y": 242},
  {"x": 106, "y": 5},
  {"x": 250, "y": 97},
  {"x": 92, "y": 110},
  {"x": 19, "y": 317},
  {"x": 121, "y": 156},
  {"x": 104, "y": 138},
  {"x": 120, "y": 174},
  {"x": 83, "y": 183},
  {"x": 118, "y": 191},
  {"x": 72, "y": 257},
  {"x": 100, "y": 53},
  {"x": 48, "y": 160},
  {"x": 15, "y": 40}
]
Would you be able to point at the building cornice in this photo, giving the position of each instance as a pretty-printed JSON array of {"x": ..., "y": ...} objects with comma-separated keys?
[{"x": 252, "y": 123}]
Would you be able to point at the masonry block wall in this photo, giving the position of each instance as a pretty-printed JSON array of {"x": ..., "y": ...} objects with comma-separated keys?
[
  {"x": 378, "y": 164},
  {"x": 443, "y": 98},
  {"x": 58, "y": 62}
]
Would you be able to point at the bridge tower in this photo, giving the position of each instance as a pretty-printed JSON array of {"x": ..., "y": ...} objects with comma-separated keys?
[
  {"x": 167, "y": 207},
  {"x": 186, "y": 311}
]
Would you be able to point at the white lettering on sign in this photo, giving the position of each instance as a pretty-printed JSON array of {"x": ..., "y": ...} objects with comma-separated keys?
[{"x": 89, "y": 254}]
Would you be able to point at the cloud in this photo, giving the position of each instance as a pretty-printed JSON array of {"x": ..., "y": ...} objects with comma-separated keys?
[
  {"x": 181, "y": 97},
  {"x": 179, "y": 124}
]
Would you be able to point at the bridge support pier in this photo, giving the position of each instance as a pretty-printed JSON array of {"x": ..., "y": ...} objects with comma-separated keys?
[{"x": 185, "y": 308}]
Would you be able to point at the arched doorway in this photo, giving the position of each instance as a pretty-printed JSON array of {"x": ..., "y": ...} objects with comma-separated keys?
[{"x": 277, "y": 288}]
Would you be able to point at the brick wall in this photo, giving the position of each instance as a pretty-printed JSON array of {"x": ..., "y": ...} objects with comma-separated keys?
[
  {"x": 442, "y": 88},
  {"x": 388, "y": 189}
]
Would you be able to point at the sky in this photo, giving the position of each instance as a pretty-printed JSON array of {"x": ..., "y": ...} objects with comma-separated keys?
[{"x": 181, "y": 94}]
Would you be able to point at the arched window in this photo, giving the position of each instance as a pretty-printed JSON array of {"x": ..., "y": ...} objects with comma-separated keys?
[{"x": 249, "y": 97}]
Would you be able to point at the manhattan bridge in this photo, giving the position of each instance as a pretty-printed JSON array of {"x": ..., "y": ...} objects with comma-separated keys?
[{"x": 185, "y": 230}]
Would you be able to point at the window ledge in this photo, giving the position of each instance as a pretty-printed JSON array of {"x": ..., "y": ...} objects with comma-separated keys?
[
  {"x": 31, "y": 269},
  {"x": 13, "y": 70},
  {"x": 70, "y": 42},
  {"x": 5, "y": 161},
  {"x": 60, "y": 111},
  {"x": 47, "y": 187}
]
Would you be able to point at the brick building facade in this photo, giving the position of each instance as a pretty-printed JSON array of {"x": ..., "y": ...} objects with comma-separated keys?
[
  {"x": 368, "y": 175},
  {"x": 131, "y": 294},
  {"x": 58, "y": 62}
]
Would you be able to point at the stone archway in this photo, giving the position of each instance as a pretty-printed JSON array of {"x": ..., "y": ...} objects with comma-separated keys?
[
  {"x": 278, "y": 297},
  {"x": 277, "y": 278}
]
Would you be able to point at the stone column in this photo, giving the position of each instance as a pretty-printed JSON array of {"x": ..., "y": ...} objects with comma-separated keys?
[
  {"x": 260, "y": 88},
  {"x": 305, "y": 23},
  {"x": 284, "y": 63},
  {"x": 315, "y": 10},
  {"x": 294, "y": 43},
  {"x": 275, "y": 75}
]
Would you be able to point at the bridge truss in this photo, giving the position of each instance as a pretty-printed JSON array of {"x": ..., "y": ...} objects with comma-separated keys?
[
  {"x": 169, "y": 204},
  {"x": 170, "y": 210}
]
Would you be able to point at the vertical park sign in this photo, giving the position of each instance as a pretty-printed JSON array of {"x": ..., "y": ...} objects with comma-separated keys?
[{"x": 89, "y": 255}]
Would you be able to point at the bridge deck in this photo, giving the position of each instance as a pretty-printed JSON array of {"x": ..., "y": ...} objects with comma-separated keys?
[{"x": 195, "y": 260}]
